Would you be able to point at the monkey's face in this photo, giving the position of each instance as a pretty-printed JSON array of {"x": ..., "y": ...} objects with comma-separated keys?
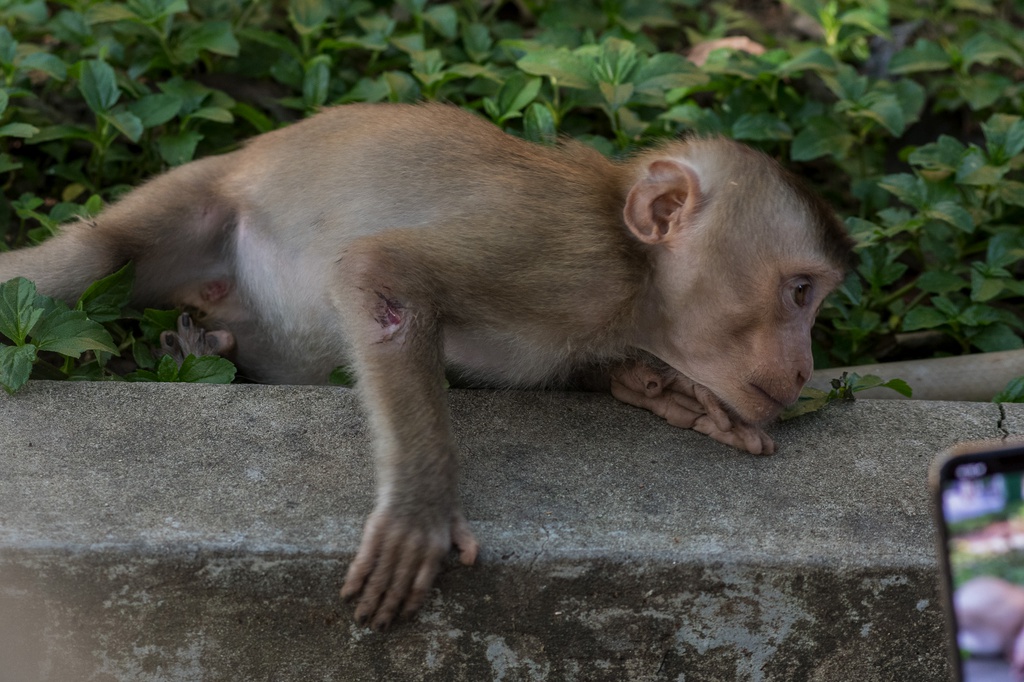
[{"x": 743, "y": 329}]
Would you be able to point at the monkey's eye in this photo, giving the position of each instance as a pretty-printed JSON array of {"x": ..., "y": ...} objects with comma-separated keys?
[{"x": 802, "y": 293}]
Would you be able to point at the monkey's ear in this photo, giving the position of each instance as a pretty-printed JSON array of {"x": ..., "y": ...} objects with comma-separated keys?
[{"x": 663, "y": 202}]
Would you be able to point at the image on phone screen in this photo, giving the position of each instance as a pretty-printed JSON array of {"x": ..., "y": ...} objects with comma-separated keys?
[{"x": 981, "y": 495}]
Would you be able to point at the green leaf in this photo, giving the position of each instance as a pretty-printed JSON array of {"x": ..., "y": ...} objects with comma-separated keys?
[
  {"x": 985, "y": 49},
  {"x": 8, "y": 46},
  {"x": 822, "y": 135},
  {"x": 517, "y": 92},
  {"x": 46, "y": 63},
  {"x": 763, "y": 126},
  {"x": 985, "y": 288},
  {"x": 815, "y": 59},
  {"x": 316, "y": 81},
  {"x": 944, "y": 154},
  {"x": 699, "y": 119},
  {"x": 923, "y": 56},
  {"x": 18, "y": 130},
  {"x": 900, "y": 386},
  {"x": 260, "y": 121},
  {"x": 982, "y": 90},
  {"x": 178, "y": 148},
  {"x": 218, "y": 114},
  {"x": 126, "y": 122},
  {"x": 155, "y": 321},
  {"x": 1004, "y": 136},
  {"x": 71, "y": 333},
  {"x": 272, "y": 40},
  {"x": 443, "y": 19},
  {"x": 938, "y": 282},
  {"x": 19, "y": 312},
  {"x": 923, "y": 318},
  {"x": 16, "y": 366},
  {"x": 212, "y": 36},
  {"x": 539, "y": 124},
  {"x": 104, "y": 299},
  {"x": 885, "y": 108},
  {"x": 810, "y": 400},
  {"x": 60, "y": 132},
  {"x": 615, "y": 96},
  {"x": 206, "y": 369},
  {"x": 98, "y": 85},
  {"x": 157, "y": 109},
  {"x": 907, "y": 188},
  {"x": 7, "y": 163},
  {"x": 111, "y": 11},
  {"x": 996, "y": 337},
  {"x": 975, "y": 170},
  {"x": 1013, "y": 393},
  {"x": 563, "y": 67},
  {"x": 476, "y": 40},
  {"x": 952, "y": 213},
  {"x": 308, "y": 16},
  {"x": 667, "y": 70}
]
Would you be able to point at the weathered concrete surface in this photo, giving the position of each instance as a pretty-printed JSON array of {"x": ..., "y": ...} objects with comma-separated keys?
[{"x": 162, "y": 532}]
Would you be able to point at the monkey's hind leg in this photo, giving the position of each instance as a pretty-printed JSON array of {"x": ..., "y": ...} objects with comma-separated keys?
[{"x": 191, "y": 339}]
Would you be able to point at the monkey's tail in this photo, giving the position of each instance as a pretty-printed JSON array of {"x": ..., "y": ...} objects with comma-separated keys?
[{"x": 171, "y": 227}]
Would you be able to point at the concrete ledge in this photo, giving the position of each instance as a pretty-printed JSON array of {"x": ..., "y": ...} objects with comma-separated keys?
[{"x": 163, "y": 532}]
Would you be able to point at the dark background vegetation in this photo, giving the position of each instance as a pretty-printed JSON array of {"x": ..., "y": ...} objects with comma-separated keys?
[{"x": 905, "y": 114}]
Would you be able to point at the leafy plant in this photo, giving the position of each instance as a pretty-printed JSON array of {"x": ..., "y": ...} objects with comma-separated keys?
[
  {"x": 908, "y": 117},
  {"x": 1013, "y": 393},
  {"x": 35, "y": 323},
  {"x": 843, "y": 390}
]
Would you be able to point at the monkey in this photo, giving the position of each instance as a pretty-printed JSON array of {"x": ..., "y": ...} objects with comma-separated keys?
[{"x": 407, "y": 239}]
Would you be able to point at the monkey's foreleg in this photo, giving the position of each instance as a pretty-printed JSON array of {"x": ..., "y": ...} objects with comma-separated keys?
[
  {"x": 686, "y": 404},
  {"x": 396, "y": 351}
]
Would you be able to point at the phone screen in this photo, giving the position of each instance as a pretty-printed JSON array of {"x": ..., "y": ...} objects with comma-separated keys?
[{"x": 981, "y": 500}]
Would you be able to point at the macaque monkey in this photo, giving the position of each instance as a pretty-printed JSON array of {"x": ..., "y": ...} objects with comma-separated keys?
[
  {"x": 990, "y": 620},
  {"x": 406, "y": 239}
]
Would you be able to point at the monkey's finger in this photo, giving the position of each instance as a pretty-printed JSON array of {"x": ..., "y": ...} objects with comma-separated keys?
[
  {"x": 379, "y": 580},
  {"x": 678, "y": 415},
  {"x": 730, "y": 437},
  {"x": 686, "y": 401},
  {"x": 713, "y": 407},
  {"x": 409, "y": 560},
  {"x": 366, "y": 557},
  {"x": 464, "y": 540},
  {"x": 661, "y": 406},
  {"x": 639, "y": 379},
  {"x": 428, "y": 570}
]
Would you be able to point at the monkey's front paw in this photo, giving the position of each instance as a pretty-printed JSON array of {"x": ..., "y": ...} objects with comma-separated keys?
[
  {"x": 645, "y": 387},
  {"x": 684, "y": 403},
  {"x": 191, "y": 339},
  {"x": 398, "y": 559}
]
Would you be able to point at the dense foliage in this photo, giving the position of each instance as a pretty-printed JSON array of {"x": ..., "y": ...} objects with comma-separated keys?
[{"x": 905, "y": 114}]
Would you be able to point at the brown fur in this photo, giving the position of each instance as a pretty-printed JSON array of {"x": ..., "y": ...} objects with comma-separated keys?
[{"x": 401, "y": 239}]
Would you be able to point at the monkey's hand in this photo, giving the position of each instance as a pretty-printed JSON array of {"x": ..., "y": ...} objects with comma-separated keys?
[
  {"x": 398, "y": 560},
  {"x": 686, "y": 404},
  {"x": 191, "y": 339}
]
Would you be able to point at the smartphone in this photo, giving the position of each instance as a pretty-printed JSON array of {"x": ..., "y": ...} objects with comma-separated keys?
[{"x": 979, "y": 500}]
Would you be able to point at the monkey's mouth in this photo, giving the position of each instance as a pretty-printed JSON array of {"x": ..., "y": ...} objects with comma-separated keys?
[{"x": 778, "y": 404}]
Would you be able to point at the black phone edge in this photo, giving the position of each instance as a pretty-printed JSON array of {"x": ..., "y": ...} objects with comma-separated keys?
[{"x": 957, "y": 454}]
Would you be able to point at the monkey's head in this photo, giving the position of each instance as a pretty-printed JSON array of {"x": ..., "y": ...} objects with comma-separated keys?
[{"x": 743, "y": 256}]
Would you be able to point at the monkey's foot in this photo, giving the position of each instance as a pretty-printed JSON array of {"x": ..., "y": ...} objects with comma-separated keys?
[
  {"x": 688, "y": 405},
  {"x": 191, "y": 339},
  {"x": 398, "y": 559}
]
